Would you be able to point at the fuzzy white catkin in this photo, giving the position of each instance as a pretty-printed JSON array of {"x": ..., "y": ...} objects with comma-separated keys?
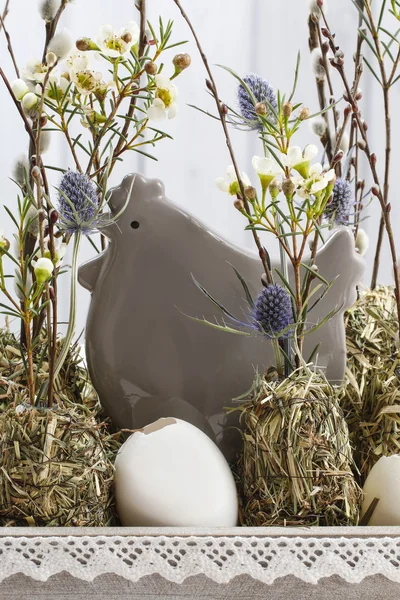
[
  {"x": 61, "y": 44},
  {"x": 314, "y": 8},
  {"x": 318, "y": 125},
  {"x": 48, "y": 9},
  {"x": 362, "y": 242},
  {"x": 32, "y": 220},
  {"x": 344, "y": 143},
  {"x": 317, "y": 67},
  {"x": 20, "y": 169},
  {"x": 45, "y": 139}
]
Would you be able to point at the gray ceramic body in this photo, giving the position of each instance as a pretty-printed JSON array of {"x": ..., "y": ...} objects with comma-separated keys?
[{"x": 146, "y": 358}]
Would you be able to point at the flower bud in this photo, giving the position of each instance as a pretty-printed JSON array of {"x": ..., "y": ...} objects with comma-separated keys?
[
  {"x": 43, "y": 120},
  {"x": 224, "y": 109},
  {"x": 181, "y": 62},
  {"x": 126, "y": 37},
  {"x": 375, "y": 191},
  {"x": 358, "y": 95},
  {"x": 43, "y": 270},
  {"x": 209, "y": 85},
  {"x": 287, "y": 109},
  {"x": 304, "y": 114},
  {"x": 4, "y": 245},
  {"x": 51, "y": 59},
  {"x": 250, "y": 192},
  {"x": 238, "y": 204},
  {"x": 373, "y": 159},
  {"x": 288, "y": 188},
  {"x": 19, "y": 88},
  {"x": 30, "y": 103},
  {"x": 36, "y": 173},
  {"x": 260, "y": 109},
  {"x": 275, "y": 187},
  {"x": 53, "y": 215},
  {"x": 151, "y": 68}
]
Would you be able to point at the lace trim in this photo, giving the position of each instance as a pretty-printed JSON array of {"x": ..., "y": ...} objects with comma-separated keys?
[{"x": 219, "y": 558}]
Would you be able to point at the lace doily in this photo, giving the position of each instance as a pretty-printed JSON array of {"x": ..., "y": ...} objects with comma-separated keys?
[{"x": 219, "y": 558}]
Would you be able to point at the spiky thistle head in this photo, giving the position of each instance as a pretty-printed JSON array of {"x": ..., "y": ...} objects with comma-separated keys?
[
  {"x": 272, "y": 311},
  {"x": 264, "y": 97},
  {"x": 340, "y": 207},
  {"x": 78, "y": 203}
]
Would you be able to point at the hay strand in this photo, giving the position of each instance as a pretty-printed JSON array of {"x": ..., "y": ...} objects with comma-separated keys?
[
  {"x": 372, "y": 400},
  {"x": 296, "y": 462}
]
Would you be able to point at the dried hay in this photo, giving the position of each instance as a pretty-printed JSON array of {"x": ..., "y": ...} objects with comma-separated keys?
[
  {"x": 296, "y": 467},
  {"x": 56, "y": 464},
  {"x": 372, "y": 400}
]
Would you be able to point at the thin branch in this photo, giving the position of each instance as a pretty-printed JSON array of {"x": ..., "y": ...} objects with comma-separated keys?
[
  {"x": 220, "y": 107},
  {"x": 8, "y": 38}
]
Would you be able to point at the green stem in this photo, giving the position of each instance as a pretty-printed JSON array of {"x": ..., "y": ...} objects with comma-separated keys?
[{"x": 72, "y": 311}]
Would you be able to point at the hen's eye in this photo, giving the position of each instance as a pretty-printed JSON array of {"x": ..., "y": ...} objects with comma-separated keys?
[{"x": 135, "y": 224}]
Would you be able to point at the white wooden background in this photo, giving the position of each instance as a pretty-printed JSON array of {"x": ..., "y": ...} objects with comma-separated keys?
[{"x": 248, "y": 35}]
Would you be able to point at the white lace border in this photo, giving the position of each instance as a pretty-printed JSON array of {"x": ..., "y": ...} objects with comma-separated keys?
[{"x": 220, "y": 558}]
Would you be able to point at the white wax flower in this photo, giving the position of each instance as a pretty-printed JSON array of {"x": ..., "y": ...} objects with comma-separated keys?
[
  {"x": 19, "y": 88},
  {"x": 165, "y": 101},
  {"x": 34, "y": 72},
  {"x": 115, "y": 44},
  {"x": 86, "y": 80},
  {"x": 296, "y": 156},
  {"x": 230, "y": 184},
  {"x": 48, "y": 9},
  {"x": 317, "y": 180},
  {"x": 266, "y": 168},
  {"x": 43, "y": 270},
  {"x": 61, "y": 44}
]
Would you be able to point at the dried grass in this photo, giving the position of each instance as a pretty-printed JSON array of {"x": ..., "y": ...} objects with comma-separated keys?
[
  {"x": 372, "y": 400},
  {"x": 296, "y": 467},
  {"x": 56, "y": 464}
]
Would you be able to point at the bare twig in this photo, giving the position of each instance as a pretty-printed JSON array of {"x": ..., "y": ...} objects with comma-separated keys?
[
  {"x": 377, "y": 190},
  {"x": 221, "y": 111}
]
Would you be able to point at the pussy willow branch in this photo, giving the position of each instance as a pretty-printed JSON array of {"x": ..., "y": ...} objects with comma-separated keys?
[
  {"x": 51, "y": 27},
  {"x": 385, "y": 83},
  {"x": 314, "y": 42},
  {"x": 220, "y": 107},
  {"x": 386, "y": 208},
  {"x": 9, "y": 45}
]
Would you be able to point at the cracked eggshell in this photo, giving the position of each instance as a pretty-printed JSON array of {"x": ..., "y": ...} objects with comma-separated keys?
[{"x": 171, "y": 474}]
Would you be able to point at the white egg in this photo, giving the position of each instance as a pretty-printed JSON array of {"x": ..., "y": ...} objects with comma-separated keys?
[
  {"x": 383, "y": 482},
  {"x": 172, "y": 474}
]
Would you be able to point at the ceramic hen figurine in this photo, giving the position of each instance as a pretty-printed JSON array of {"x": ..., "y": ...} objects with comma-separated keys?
[{"x": 146, "y": 358}]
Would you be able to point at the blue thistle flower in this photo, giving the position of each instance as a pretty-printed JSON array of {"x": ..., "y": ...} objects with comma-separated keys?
[
  {"x": 339, "y": 208},
  {"x": 78, "y": 203},
  {"x": 262, "y": 92},
  {"x": 272, "y": 311}
]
